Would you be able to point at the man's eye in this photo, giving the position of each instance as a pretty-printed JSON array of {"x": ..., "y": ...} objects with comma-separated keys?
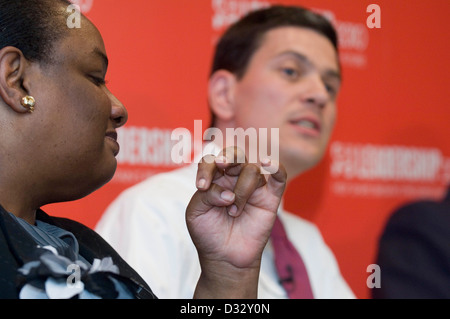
[
  {"x": 291, "y": 73},
  {"x": 332, "y": 91},
  {"x": 329, "y": 88}
]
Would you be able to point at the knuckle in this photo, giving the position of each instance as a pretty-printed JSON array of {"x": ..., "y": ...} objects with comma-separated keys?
[{"x": 252, "y": 169}]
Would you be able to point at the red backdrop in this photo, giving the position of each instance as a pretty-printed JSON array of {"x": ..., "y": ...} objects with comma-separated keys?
[{"x": 390, "y": 143}]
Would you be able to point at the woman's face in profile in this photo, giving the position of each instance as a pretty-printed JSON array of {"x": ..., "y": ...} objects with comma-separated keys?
[{"x": 78, "y": 116}]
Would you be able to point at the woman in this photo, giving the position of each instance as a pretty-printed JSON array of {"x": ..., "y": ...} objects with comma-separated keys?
[{"x": 58, "y": 143}]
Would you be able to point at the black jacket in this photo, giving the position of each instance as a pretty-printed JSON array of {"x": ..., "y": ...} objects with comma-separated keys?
[
  {"x": 414, "y": 252},
  {"x": 17, "y": 247}
]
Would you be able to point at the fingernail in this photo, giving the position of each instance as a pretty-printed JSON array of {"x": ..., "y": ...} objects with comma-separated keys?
[
  {"x": 233, "y": 210},
  {"x": 227, "y": 195},
  {"x": 201, "y": 183},
  {"x": 266, "y": 161}
]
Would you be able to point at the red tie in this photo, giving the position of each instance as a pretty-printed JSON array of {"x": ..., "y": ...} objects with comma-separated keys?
[{"x": 290, "y": 266}]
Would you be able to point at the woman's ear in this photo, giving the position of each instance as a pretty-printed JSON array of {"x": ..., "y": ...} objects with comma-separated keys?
[
  {"x": 221, "y": 94},
  {"x": 12, "y": 72}
]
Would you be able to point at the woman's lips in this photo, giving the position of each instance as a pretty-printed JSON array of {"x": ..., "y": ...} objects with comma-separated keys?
[{"x": 112, "y": 137}]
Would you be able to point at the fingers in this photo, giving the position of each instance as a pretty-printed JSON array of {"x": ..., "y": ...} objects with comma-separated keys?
[
  {"x": 211, "y": 167},
  {"x": 207, "y": 169},
  {"x": 239, "y": 177},
  {"x": 233, "y": 154},
  {"x": 246, "y": 179},
  {"x": 215, "y": 196},
  {"x": 276, "y": 181},
  {"x": 249, "y": 179}
]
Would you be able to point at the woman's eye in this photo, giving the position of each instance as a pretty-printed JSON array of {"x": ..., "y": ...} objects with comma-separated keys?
[{"x": 98, "y": 81}]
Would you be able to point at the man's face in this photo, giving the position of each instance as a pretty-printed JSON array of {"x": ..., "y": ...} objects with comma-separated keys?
[{"x": 291, "y": 83}]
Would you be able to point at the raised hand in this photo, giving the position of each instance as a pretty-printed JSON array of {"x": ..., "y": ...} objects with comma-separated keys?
[{"x": 230, "y": 218}]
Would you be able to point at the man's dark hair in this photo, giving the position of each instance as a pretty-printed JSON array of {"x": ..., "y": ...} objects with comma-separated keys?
[
  {"x": 238, "y": 44},
  {"x": 31, "y": 26},
  {"x": 240, "y": 41}
]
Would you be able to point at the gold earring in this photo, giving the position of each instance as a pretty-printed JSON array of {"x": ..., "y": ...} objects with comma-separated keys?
[{"x": 28, "y": 102}]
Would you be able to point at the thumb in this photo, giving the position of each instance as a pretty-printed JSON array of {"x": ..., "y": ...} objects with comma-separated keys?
[{"x": 202, "y": 201}]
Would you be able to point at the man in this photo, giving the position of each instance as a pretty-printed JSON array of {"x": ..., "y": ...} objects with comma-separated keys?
[{"x": 275, "y": 68}]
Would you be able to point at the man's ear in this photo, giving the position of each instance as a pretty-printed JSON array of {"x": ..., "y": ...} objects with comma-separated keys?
[
  {"x": 221, "y": 94},
  {"x": 12, "y": 71}
]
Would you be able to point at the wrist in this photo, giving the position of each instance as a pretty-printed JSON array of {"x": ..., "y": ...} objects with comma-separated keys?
[{"x": 221, "y": 280}]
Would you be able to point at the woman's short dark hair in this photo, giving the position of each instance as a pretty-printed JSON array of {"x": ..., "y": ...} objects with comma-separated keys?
[
  {"x": 237, "y": 45},
  {"x": 31, "y": 26}
]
